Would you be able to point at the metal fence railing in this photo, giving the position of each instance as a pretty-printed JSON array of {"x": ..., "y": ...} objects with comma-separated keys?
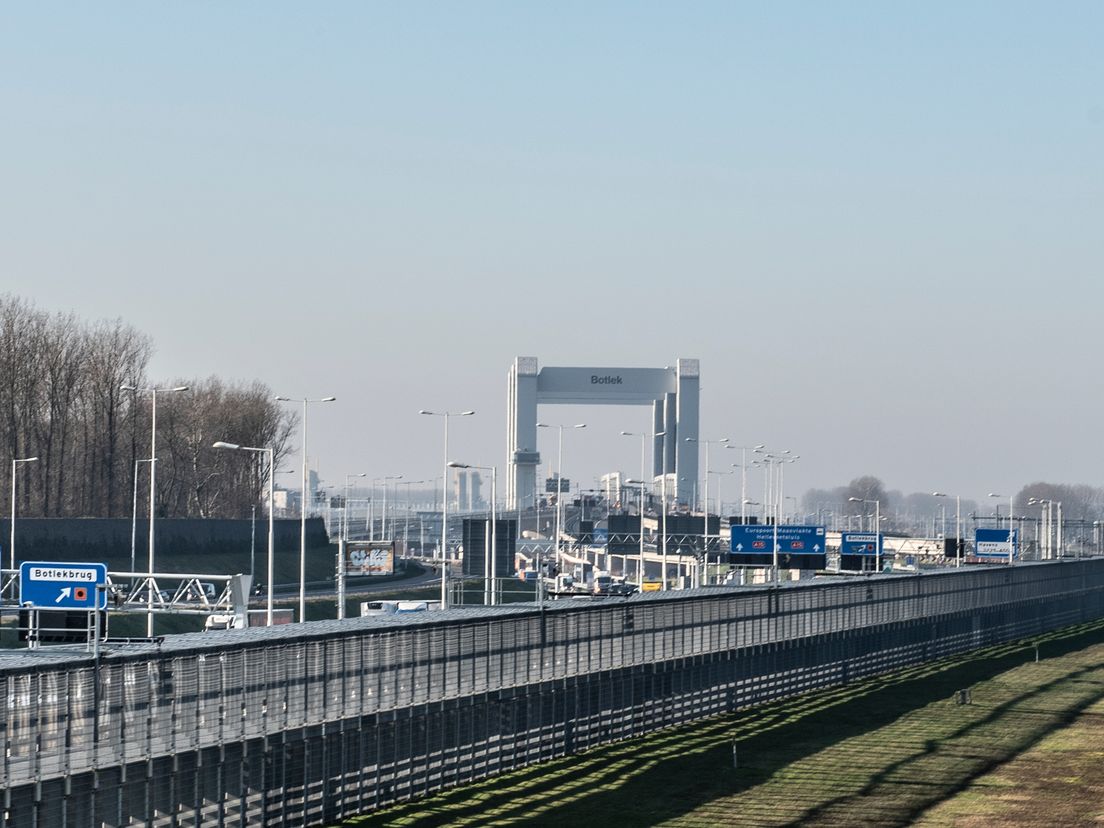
[{"x": 310, "y": 723}]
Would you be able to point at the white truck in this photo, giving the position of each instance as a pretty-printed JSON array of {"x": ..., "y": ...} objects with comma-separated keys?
[{"x": 602, "y": 582}]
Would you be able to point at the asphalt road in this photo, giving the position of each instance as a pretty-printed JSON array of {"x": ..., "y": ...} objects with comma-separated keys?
[{"x": 315, "y": 590}]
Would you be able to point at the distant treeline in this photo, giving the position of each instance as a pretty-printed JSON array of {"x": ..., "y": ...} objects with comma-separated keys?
[
  {"x": 61, "y": 400},
  {"x": 1079, "y": 502}
]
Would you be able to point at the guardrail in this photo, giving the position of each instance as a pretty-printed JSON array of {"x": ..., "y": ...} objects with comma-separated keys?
[
  {"x": 316, "y": 722},
  {"x": 172, "y": 592}
]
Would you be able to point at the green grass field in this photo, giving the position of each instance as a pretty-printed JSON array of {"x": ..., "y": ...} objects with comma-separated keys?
[{"x": 895, "y": 750}]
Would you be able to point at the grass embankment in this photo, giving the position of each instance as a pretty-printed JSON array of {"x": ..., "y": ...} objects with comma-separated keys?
[{"x": 894, "y": 750}]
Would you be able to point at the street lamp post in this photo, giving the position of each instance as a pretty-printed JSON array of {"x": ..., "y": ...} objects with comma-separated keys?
[
  {"x": 632, "y": 481},
  {"x": 490, "y": 562},
  {"x": 303, "y": 506},
  {"x": 444, "y": 501},
  {"x": 134, "y": 516},
  {"x": 781, "y": 482},
  {"x": 383, "y": 516},
  {"x": 345, "y": 506},
  {"x": 705, "y": 503},
  {"x": 271, "y": 510},
  {"x": 720, "y": 514},
  {"x": 1052, "y": 543},
  {"x": 153, "y": 485},
  {"x": 877, "y": 529},
  {"x": 1011, "y": 521},
  {"x": 11, "y": 546},
  {"x": 643, "y": 435},
  {"x": 559, "y": 484},
  {"x": 406, "y": 519},
  {"x": 663, "y": 530},
  {"x": 720, "y": 501},
  {"x": 743, "y": 478},
  {"x": 771, "y": 496},
  {"x": 958, "y": 525},
  {"x": 1042, "y": 533}
]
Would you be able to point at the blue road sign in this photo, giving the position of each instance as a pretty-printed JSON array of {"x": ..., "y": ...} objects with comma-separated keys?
[
  {"x": 860, "y": 543},
  {"x": 52, "y": 585},
  {"x": 600, "y": 536},
  {"x": 993, "y": 543},
  {"x": 758, "y": 539}
]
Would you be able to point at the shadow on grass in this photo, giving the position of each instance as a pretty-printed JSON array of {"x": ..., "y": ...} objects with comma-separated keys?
[
  {"x": 672, "y": 773},
  {"x": 1016, "y": 741}
]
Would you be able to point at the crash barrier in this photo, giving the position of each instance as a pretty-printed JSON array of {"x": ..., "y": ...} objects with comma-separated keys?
[{"x": 310, "y": 723}]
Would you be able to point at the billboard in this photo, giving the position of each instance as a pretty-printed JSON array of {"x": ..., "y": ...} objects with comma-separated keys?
[
  {"x": 993, "y": 543},
  {"x": 370, "y": 558}
]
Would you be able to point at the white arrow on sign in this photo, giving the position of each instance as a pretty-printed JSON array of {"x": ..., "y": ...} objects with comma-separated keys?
[
  {"x": 739, "y": 547},
  {"x": 65, "y": 593},
  {"x": 816, "y": 547}
]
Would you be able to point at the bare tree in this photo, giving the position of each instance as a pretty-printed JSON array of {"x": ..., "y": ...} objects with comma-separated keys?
[
  {"x": 866, "y": 487},
  {"x": 205, "y": 482},
  {"x": 117, "y": 355},
  {"x": 61, "y": 399}
]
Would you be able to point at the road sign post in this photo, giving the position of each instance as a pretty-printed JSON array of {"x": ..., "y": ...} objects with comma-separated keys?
[{"x": 762, "y": 544}]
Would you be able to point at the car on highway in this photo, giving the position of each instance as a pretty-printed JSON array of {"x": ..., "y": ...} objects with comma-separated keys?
[{"x": 621, "y": 589}]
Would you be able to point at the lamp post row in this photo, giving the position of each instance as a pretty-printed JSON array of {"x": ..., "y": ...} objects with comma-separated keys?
[
  {"x": 444, "y": 499},
  {"x": 153, "y": 488},
  {"x": 304, "y": 504},
  {"x": 768, "y": 460},
  {"x": 271, "y": 511}
]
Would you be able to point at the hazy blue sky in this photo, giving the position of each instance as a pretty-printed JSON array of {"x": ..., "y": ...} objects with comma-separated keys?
[{"x": 879, "y": 226}]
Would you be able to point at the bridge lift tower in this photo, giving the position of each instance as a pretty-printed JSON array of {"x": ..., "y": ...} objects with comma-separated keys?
[{"x": 673, "y": 394}]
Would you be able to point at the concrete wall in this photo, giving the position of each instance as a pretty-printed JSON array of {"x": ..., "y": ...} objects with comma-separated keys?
[{"x": 92, "y": 538}]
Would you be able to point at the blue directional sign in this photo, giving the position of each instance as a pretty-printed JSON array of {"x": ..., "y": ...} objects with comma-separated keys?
[
  {"x": 600, "y": 536},
  {"x": 52, "y": 585},
  {"x": 860, "y": 543},
  {"x": 758, "y": 539},
  {"x": 993, "y": 543}
]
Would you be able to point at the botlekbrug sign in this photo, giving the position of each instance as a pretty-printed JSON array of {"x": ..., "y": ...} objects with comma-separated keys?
[
  {"x": 860, "y": 543},
  {"x": 55, "y": 585}
]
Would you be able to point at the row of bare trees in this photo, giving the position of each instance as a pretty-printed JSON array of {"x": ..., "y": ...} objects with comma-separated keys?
[
  {"x": 62, "y": 401},
  {"x": 857, "y": 497},
  {"x": 1079, "y": 502}
]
